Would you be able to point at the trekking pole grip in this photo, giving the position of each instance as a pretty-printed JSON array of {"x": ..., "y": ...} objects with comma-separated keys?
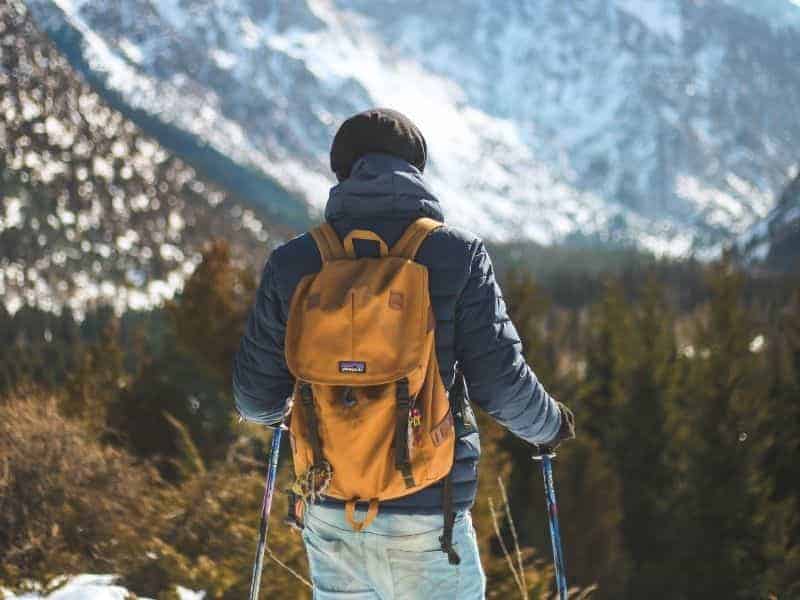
[{"x": 540, "y": 451}]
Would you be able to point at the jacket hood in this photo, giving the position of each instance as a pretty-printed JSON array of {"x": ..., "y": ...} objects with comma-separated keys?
[{"x": 382, "y": 186}]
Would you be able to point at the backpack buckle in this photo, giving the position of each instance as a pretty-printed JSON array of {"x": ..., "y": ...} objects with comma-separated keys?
[
  {"x": 402, "y": 456},
  {"x": 294, "y": 516}
]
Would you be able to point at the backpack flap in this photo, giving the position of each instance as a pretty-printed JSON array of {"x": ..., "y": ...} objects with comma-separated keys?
[{"x": 359, "y": 323}]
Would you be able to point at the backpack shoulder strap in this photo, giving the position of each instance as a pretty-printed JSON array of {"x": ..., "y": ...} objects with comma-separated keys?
[
  {"x": 330, "y": 247},
  {"x": 412, "y": 238}
]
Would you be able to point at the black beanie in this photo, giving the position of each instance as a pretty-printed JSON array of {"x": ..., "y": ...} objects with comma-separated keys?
[{"x": 377, "y": 130}]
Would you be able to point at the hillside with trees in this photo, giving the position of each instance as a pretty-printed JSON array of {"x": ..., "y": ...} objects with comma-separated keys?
[
  {"x": 682, "y": 483},
  {"x": 93, "y": 210}
]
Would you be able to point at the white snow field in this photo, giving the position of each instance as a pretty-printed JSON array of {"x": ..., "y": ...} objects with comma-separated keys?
[{"x": 92, "y": 587}]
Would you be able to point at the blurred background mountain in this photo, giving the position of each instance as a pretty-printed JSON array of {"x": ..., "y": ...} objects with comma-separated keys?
[
  {"x": 669, "y": 127},
  {"x": 670, "y": 124}
]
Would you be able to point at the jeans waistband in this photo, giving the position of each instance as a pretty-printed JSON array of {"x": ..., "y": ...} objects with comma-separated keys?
[{"x": 388, "y": 523}]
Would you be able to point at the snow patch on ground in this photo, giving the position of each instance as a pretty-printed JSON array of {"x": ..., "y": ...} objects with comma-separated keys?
[{"x": 91, "y": 587}]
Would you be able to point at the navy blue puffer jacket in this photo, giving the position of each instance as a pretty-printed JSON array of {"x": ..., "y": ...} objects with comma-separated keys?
[{"x": 385, "y": 194}]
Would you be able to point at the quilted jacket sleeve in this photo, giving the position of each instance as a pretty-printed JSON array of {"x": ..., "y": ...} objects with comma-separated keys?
[
  {"x": 489, "y": 351},
  {"x": 261, "y": 379}
]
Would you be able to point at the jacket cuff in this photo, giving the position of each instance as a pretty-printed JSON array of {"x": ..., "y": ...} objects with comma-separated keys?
[{"x": 256, "y": 410}]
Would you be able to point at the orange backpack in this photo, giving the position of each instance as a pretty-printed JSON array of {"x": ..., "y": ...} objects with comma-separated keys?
[{"x": 371, "y": 418}]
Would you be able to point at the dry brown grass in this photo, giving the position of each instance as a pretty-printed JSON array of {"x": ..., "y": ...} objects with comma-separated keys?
[
  {"x": 67, "y": 503},
  {"x": 71, "y": 504}
]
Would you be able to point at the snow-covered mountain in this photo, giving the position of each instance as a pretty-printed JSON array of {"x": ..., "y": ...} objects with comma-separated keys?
[
  {"x": 673, "y": 123},
  {"x": 92, "y": 210},
  {"x": 774, "y": 241}
]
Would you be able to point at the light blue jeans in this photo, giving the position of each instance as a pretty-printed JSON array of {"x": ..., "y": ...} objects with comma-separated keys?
[{"x": 396, "y": 558}]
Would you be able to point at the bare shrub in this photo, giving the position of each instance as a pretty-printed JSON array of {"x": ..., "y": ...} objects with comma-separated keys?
[
  {"x": 209, "y": 539},
  {"x": 68, "y": 504}
]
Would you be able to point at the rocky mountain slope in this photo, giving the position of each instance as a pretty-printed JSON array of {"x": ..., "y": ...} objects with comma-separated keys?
[
  {"x": 774, "y": 242},
  {"x": 92, "y": 209},
  {"x": 670, "y": 123}
]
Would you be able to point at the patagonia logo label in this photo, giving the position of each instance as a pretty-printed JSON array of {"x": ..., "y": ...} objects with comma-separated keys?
[{"x": 352, "y": 366}]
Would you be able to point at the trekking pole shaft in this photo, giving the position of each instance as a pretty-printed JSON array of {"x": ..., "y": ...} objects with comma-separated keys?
[
  {"x": 555, "y": 533},
  {"x": 266, "y": 505}
]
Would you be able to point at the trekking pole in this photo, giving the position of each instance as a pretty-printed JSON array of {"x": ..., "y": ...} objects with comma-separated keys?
[
  {"x": 545, "y": 455},
  {"x": 266, "y": 505}
]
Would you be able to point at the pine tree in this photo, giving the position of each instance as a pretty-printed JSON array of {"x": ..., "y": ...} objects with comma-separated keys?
[
  {"x": 609, "y": 363},
  {"x": 641, "y": 454},
  {"x": 189, "y": 377},
  {"x": 98, "y": 379},
  {"x": 585, "y": 478},
  {"x": 780, "y": 461},
  {"x": 722, "y": 529},
  {"x": 530, "y": 309},
  {"x": 628, "y": 387},
  {"x": 209, "y": 316}
]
